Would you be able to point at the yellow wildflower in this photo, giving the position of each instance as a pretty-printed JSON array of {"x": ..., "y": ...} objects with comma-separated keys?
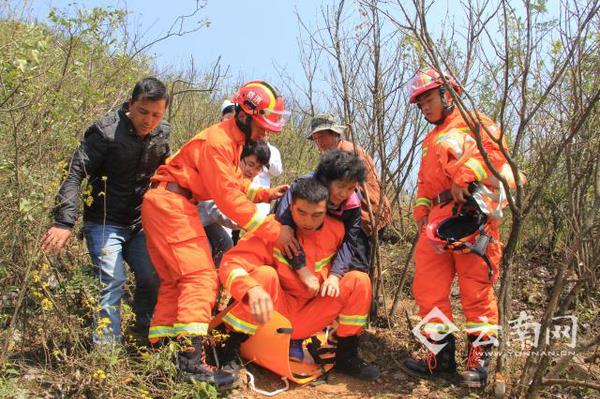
[
  {"x": 99, "y": 375},
  {"x": 46, "y": 304}
]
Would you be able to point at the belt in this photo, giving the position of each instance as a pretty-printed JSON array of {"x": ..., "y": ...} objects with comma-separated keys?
[
  {"x": 173, "y": 187},
  {"x": 444, "y": 196}
]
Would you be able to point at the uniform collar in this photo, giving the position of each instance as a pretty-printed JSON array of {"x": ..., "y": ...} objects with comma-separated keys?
[
  {"x": 449, "y": 119},
  {"x": 314, "y": 234},
  {"x": 233, "y": 131}
]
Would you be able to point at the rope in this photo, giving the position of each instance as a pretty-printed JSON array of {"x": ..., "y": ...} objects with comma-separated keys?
[{"x": 267, "y": 393}]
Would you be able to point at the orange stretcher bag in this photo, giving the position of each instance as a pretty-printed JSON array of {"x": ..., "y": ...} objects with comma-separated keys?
[{"x": 269, "y": 348}]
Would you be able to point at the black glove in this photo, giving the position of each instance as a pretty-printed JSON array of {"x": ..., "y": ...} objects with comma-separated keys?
[{"x": 298, "y": 261}]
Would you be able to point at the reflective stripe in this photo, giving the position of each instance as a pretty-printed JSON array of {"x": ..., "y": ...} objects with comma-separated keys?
[
  {"x": 278, "y": 255},
  {"x": 451, "y": 141},
  {"x": 494, "y": 131},
  {"x": 485, "y": 328},
  {"x": 161, "y": 331},
  {"x": 423, "y": 201},
  {"x": 477, "y": 168},
  {"x": 190, "y": 328},
  {"x": 239, "y": 324},
  {"x": 255, "y": 222},
  {"x": 233, "y": 274},
  {"x": 252, "y": 191},
  {"x": 425, "y": 151},
  {"x": 436, "y": 328},
  {"x": 323, "y": 262},
  {"x": 352, "y": 319}
]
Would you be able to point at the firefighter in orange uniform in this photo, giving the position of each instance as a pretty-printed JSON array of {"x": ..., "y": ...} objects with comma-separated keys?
[
  {"x": 261, "y": 279},
  {"x": 451, "y": 168},
  {"x": 206, "y": 167}
]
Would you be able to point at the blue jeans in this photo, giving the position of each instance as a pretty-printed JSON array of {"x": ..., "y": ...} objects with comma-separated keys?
[{"x": 109, "y": 246}]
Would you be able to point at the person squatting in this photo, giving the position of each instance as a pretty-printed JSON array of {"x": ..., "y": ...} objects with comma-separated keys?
[{"x": 309, "y": 259}]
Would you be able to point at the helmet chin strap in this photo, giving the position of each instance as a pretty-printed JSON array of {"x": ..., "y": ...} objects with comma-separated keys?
[
  {"x": 245, "y": 127},
  {"x": 446, "y": 107}
]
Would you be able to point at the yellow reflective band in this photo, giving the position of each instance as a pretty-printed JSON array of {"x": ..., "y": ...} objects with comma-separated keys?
[
  {"x": 252, "y": 191},
  {"x": 233, "y": 274},
  {"x": 425, "y": 151},
  {"x": 269, "y": 92},
  {"x": 255, "y": 222},
  {"x": 477, "y": 168},
  {"x": 436, "y": 327},
  {"x": 452, "y": 142},
  {"x": 423, "y": 201},
  {"x": 190, "y": 328},
  {"x": 161, "y": 331},
  {"x": 352, "y": 319},
  {"x": 278, "y": 255},
  {"x": 239, "y": 324},
  {"x": 488, "y": 329},
  {"x": 323, "y": 262}
]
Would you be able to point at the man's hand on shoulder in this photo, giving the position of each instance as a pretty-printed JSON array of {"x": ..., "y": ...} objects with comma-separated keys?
[
  {"x": 287, "y": 242},
  {"x": 278, "y": 192}
]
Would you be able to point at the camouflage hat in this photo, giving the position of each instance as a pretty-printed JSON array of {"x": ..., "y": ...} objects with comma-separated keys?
[{"x": 325, "y": 121}]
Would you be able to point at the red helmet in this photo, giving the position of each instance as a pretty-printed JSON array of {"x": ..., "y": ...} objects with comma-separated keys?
[
  {"x": 259, "y": 100},
  {"x": 427, "y": 79},
  {"x": 458, "y": 232}
]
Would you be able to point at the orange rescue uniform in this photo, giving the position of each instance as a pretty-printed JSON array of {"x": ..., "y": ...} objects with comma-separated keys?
[
  {"x": 207, "y": 167},
  {"x": 253, "y": 262},
  {"x": 450, "y": 155}
]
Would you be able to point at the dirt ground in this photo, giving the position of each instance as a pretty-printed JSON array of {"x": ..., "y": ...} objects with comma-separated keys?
[{"x": 385, "y": 347}]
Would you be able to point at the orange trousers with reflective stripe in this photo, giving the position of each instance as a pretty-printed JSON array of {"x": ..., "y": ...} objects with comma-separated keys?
[
  {"x": 181, "y": 255},
  {"x": 435, "y": 271},
  {"x": 310, "y": 315}
]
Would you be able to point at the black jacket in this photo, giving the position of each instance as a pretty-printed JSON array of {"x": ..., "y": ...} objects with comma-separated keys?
[{"x": 118, "y": 165}]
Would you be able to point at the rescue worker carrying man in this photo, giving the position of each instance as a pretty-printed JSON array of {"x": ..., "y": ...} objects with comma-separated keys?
[
  {"x": 262, "y": 280},
  {"x": 458, "y": 235},
  {"x": 206, "y": 167}
]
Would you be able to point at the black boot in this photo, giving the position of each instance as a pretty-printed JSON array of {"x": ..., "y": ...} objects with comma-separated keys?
[
  {"x": 478, "y": 364},
  {"x": 348, "y": 362},
  {"x": 228, "y": 350},
  {"x": 138, "y": 335},
  {"x": 442, "y": 364},
  {"x": 158, "y": 344},
  {"x": 191, "y": 360}
]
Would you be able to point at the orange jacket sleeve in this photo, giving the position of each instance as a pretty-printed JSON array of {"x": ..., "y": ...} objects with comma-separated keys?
[
  {"x": 240, "y": 261},
  {"x": 256, "y": 193},
  {"x": 423, "y": 202},
  {"x": 225, "y": 185},
  {"x": 460, "y": 159}
]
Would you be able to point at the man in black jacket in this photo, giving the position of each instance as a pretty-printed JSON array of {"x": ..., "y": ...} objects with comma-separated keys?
[{"x": 117, "y": 155}]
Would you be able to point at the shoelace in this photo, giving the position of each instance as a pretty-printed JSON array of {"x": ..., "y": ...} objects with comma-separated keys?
[
  {"x": 431, "y": 360},
  {"x": 475, "y": 354}
]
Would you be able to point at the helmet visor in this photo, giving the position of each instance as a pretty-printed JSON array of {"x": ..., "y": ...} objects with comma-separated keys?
[{"x": 274, "y": 119}]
